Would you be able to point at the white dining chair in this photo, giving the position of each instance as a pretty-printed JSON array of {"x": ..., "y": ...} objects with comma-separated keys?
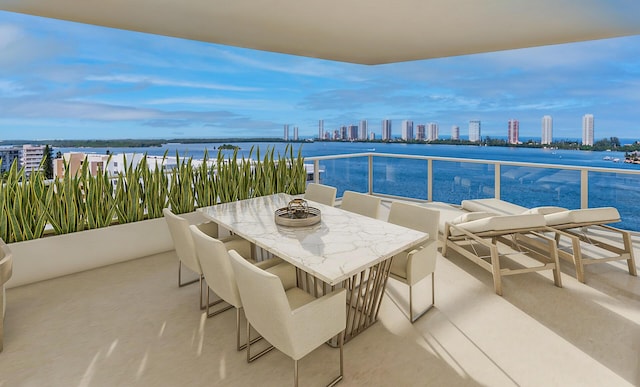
[
  {"x": 411, "y": 266},
  {"x": 360, "y": 203},
  {"x": 216, "y": 267},
  {"x": 185, "y": 249},
  {"x": 321, "y": 193},
  {"x": 6, "y": 269},
  {"x": 291, "y": 320}
]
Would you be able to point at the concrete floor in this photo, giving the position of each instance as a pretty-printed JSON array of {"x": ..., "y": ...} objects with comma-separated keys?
[{"x": 130, "y": 325}]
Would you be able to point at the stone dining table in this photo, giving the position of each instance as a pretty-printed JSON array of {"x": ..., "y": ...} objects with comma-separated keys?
[{"x": 343, "y": 250}]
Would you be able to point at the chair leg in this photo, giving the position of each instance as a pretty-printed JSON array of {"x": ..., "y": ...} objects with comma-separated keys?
[
  {"x": 341, "y": 346},
  {"x": 243, "y": 346},
  {"x": 248, "y": 345},
  {"x": 295, "y": 373},
  {"x": 216, "y": 302},
  {"x": 433, "y": 300},
  {"x": 180, "y": 283}
]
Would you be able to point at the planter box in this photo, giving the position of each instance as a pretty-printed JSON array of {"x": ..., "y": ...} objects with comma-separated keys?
[{"x": 58, "y": 255}]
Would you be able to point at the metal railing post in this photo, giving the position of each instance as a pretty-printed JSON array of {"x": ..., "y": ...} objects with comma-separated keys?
[
  {"x": 496, "y": 188},
  {"x": 370, "y": 174},
  {"x": 430, "y": 180},
  {"x": 584, "y": 188},
  {"x": 316, "y": 171}
]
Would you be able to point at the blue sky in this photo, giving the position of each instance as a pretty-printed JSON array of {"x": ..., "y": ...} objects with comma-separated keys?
[{"x": 62, "y": 80}]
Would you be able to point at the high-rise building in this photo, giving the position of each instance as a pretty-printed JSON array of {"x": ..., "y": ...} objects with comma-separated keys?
[
  {"x": 343, "y": 132},
  {"x": 513, "y": 133},
  {"x": 455, "y": 132},
  {"x": 295, "y": 133},
  {"x": 7, "y": 155},
  {"x": 32, "y": 157},
  {"x": 321, "y": 130},
  {"x": 363, "y": 130},
  {"x": 587, "y": 129},
  {"x": 372, "y": 136},
  {"x": 421, "y": 132},
  {"x": 407, "y": 130},
  {"x": 352, "y": 132},
  {"x": 547, "y": 130},
  {"x": 474, "y": 131},
  {"x": 386, "y": 130},
  {"x": 432, "y": 131},
  {"x": 286, "y": 132}
]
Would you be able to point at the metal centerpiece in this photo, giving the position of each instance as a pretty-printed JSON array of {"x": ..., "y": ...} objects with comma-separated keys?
[{"x": 297, "y": 214}]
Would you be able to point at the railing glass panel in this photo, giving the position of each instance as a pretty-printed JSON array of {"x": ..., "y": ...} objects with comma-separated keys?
[
  {"x": 535, "y": 186},
  {"x": 618, "y": 190},
  {"x": 350, "y": 174},
  {"x": 400, "y": 177},
  {"x": 454, "y": 182}
]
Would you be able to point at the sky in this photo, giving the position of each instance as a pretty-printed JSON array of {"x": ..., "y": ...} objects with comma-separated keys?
[{"x": 63, "y": 80}]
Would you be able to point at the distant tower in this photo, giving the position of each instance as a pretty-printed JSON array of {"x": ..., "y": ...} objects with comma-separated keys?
[
  {"x": 352, "y": 132},
  {"x": 547, "y": 130},
  {"x": 286, "y": 133},
  {"x": 295, "y": 133},
  {"x": 407, "y": 130},
  {"x": 513, "y": 132},
  {"x": 455, "y": 132},
  {"x": 343, "y": 132},
  {"x": 321, "y": 130},
  {"x": 421, "y": 133},
  {"x": 474, "y": 131},
  {"x": 372, "y": 136},
  {"x": 386, "y": 130},
  {"x": 432, "y": 131},
  {"x": 363, "y": 130},
  {"x": 587, "y": 129}
]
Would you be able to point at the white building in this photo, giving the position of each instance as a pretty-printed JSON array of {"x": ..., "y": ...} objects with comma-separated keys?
[
  {"x": 363, "y": 130},
  {"x": 455, "y": 132},
  {"x": 474, "y": 131},
  {"x": 513, "y": 133},
  {"x": 286, "y": 133},
  {"x": 386, "y": 130},
  {"x": 432, "y": 131},
  {"x": 295, "y": 133},
  {"x": 32, "y": 157},
  {"x": 547, "y": 130},
  {"x": 587, "y": 129},
  {"x": 407, "y": 130},
  {"x": 421, "y": 132}
]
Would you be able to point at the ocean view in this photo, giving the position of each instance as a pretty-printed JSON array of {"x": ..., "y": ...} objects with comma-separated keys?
[{"x": 453, "y": 181}]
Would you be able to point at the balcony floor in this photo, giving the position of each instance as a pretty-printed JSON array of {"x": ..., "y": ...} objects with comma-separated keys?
[{"x": 129, "y": 324}]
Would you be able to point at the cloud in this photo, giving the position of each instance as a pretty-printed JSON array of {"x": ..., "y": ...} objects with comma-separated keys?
[{"x": 156, "y": 81}]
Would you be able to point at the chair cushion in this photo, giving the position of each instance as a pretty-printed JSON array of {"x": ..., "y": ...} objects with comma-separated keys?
[
  {"x": 471, "y": 216},
  {"x": 447, "y": 212},
  {"x": 601, "y": 215},
  {"x": 242, "y": 246},
  {"x": 493, "y": 205},
  {"x": 545, "y": 210},
  {"x": 399, "y": 265},
  {"x": 504, "y": 223},
  {"x": 298, "y": 297}
]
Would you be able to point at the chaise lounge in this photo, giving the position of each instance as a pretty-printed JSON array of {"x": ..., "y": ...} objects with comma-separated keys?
[{"x": 576, "y": 225}]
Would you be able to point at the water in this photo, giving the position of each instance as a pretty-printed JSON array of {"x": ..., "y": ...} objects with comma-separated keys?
[{"x": 455, "y": 181}]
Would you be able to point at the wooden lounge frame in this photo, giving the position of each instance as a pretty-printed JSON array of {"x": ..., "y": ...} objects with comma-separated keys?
[{"x": 529, "y": 241}]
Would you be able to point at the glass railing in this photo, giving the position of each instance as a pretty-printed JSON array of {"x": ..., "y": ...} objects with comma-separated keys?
[{"x": 453, "y": 180}]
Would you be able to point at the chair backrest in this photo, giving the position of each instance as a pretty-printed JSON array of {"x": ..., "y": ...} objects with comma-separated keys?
[
  {"x": 415, "y": 217},
  {"x": 321, "y": 193},
  {"x": 265, "y": 302},
  {"x": 362, "y": 204},
  {"x": 182, "y": 240},
  {"x": 216, "y": 266}
]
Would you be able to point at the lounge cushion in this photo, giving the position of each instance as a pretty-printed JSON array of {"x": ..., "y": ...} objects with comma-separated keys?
[
  {"x": 545, "y": 210},
  {"x": 493, "y": 205},
  {"x": 471, "y": 216},
  {"x": 447, "y": 213},
  {"x": 501, "y": 223},
  {"x": 601, "y": 215}
]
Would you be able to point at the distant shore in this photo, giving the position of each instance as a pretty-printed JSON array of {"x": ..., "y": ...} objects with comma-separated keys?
[{"x": 607, "y": 144}]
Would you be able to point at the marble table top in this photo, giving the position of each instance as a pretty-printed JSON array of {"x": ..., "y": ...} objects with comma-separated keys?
[{"x": 340, "y": 246}]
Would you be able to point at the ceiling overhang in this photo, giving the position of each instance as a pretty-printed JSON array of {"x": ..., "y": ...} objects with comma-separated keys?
[{"x": 357, "y": 31}]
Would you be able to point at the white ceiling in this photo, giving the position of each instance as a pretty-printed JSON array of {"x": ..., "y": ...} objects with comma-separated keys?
[{"x": 358, "y": 31}]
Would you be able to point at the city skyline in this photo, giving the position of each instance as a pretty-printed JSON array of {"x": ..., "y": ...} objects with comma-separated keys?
[{"x": 63, "y": 80}]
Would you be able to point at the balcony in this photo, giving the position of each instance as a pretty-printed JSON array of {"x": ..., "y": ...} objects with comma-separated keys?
[{"x": 129, "y": 324}]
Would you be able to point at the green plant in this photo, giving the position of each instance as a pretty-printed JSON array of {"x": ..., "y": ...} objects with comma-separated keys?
[
  {"x": 22, "y": 208},
  {"x": 204, "y": 183},
  {"x": 100, "y": 204},
  {"x": 65, "y": 203},
  {"x": 181, "y": 188},
  {"x": 156, "y": 187},
  {"x": 129, "y": 196}
]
